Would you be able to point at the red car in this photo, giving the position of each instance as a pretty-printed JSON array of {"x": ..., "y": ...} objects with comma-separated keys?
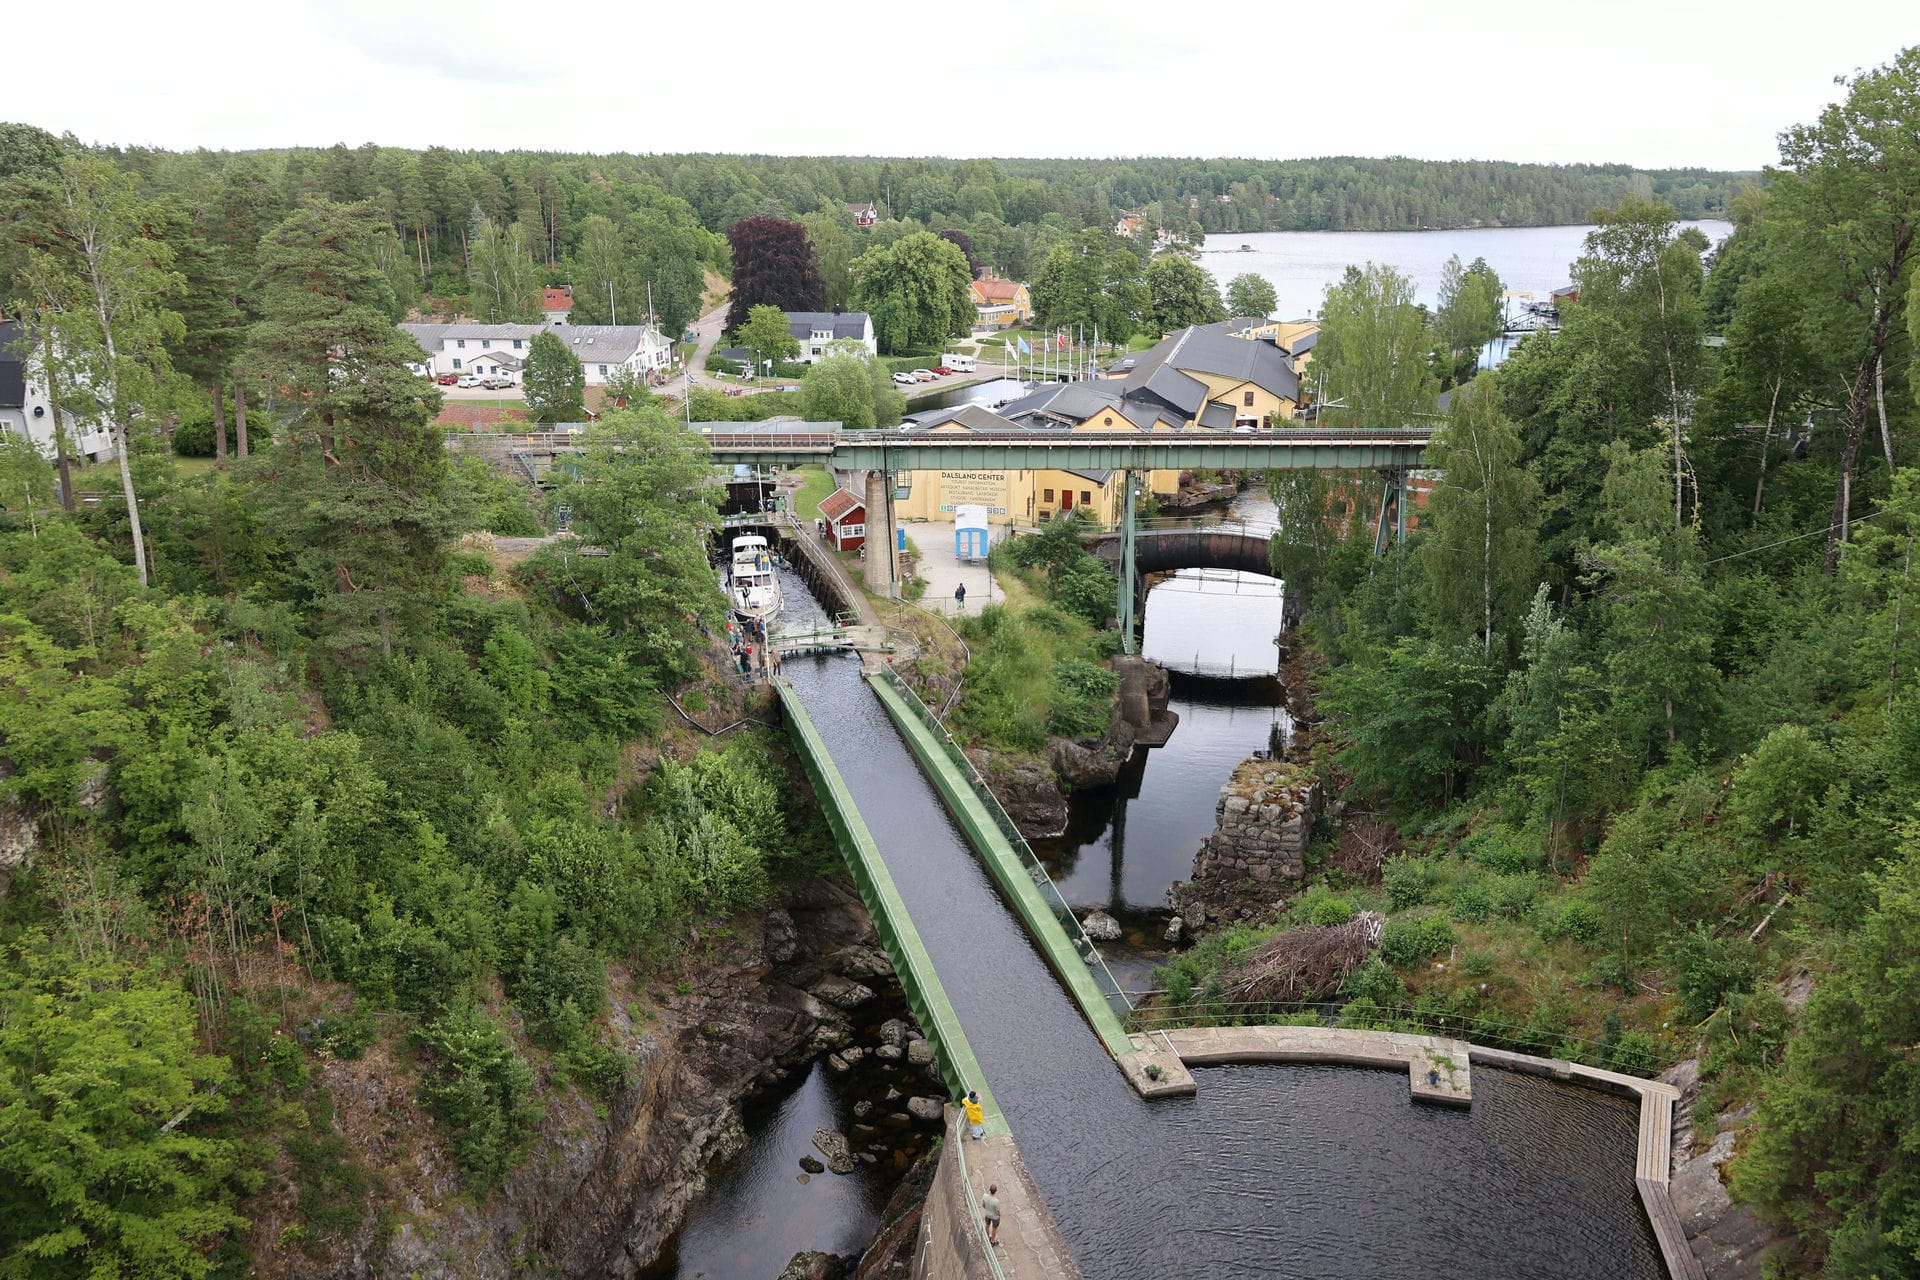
[
  {"x": 448, "y": 379},
  {"x": 941, "y": 371}
]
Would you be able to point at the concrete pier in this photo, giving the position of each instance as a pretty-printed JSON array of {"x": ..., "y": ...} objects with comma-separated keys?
[
  {"x": 953, "y": 1241},
  {"x": 1437, "y": 1070}
]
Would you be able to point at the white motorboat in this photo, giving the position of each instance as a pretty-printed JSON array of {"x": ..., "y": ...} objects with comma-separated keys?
[{"x": 753, "y": 588}]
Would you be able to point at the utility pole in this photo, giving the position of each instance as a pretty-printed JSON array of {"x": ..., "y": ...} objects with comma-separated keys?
[{"x": 612, "y": 310}]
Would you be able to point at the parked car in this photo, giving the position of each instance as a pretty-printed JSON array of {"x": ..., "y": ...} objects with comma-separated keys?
[
  {"x": 448, "y": 379},
  {"x": 923, "y": 375},
  {"x": 468, "y": 380},
  {"x": 941, "y": 371},
  {"x": 497, "y": 382},
  {"x": 904, "y": 379}
]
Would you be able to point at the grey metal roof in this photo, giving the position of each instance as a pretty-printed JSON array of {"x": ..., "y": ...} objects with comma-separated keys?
[
  {"x": 1303, "y": 343},
  {"x": 13, "y": 366},
  {"x": 1075, "y": 401},
  {"x": 971, "y": 416},
  {"x": 427, "y": 335},
  {"x": 1218, "y": 416},
  {"x": 604, "y": 343},
  {"x": 844, "y": 324},
  {"x": 1098, "y": 477},
  {"x": 1204, "y": 350}
]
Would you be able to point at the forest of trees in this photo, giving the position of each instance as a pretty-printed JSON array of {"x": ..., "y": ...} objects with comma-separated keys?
[
  {"x": 288, "y": 770},
  {"x": 1639, "y": 694},
  {"x": 612, "y": 225}
]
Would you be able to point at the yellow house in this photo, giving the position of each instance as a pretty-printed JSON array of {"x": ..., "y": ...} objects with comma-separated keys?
[
  {"x": 1096, "y": 406},
  {"x": 1295, "y": 337},
  {"x": 1010, "y": 497},
  {"x": 1203, "y": 376},
  {"x": 1001, "y": 304}
]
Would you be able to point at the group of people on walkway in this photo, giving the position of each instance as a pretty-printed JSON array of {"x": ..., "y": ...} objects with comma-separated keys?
[
  {"x": 753, "y": 656},
  {"x": 976, "y": 1130}
]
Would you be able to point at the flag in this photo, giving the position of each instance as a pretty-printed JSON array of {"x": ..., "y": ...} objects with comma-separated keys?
[
  {"x": 1060, "y": 340},
  {"x": 1025, "y": 350}
]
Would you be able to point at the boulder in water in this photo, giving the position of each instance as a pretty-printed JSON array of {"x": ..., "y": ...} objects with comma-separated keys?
[
  {"x": 833, "y": 1145},
  {"x": 1101, "y": 927}
]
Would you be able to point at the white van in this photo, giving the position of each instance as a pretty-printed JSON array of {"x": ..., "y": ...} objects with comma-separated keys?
[{"x": 958, "y": 363}]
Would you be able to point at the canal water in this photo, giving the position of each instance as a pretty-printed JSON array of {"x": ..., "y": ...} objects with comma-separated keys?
[{"x": 1216, "y": 632}]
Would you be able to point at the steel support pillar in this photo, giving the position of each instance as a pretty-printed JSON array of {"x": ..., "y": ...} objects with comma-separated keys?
[
  {"x": 1127, "y": 571},
  {"x": 1380, "y": 520},
  {"x": 1393, "y": 494},
  {"x": 1400, "y": 508}
]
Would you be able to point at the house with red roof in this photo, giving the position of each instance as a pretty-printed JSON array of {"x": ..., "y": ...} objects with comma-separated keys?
[{"x": 557, "y": 304}]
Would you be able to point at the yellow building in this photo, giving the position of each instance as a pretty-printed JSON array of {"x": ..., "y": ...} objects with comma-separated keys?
[
  {"x": 1001, "y": 304},
  {"x": 1204, "y": 376},
  {"x": 1010, "y": 497}
]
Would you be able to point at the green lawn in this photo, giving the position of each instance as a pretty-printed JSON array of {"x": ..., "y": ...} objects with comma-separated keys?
[
  {"x": 818, "y": 484},
  {"x": 104, "y": 477}
]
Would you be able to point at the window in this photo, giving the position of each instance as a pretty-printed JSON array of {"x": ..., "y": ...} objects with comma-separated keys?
[
  {"x": 456, "y": 362},
  {"x": 603, "y": 371},
  {"x": 1107, "y": 421},
  {"x": 460, "y": 343},
  {"x": 1046, "y": 495},
  {"x": 516, "y": 347},
  {"x": 1086, "y": 498},
  {"x": 1248, "y": 401}
]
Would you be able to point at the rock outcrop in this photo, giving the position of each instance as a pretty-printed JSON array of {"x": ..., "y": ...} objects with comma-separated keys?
[
  {"x": 1727, "y": 1238},
  {"x": 606, "y": 1186}
]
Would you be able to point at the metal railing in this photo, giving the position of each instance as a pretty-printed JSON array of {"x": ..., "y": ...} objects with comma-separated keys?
[
  {"x": 973, "y": 1205},
  {"x": 1110, "y": 989}
]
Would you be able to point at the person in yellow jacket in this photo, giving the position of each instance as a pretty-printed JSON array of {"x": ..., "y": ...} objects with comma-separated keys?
[{"x": 976, "y": 1117}]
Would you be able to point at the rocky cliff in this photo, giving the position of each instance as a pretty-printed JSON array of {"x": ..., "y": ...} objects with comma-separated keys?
[{"x": 603, "y": 1186}]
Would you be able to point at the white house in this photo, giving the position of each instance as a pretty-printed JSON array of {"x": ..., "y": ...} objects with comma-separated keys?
[
  {"x": 502, "y": 348},
  {"x": 813, "y": 330},
  {"x": 25, "y": 411},
  {"x": 557, "y": 304}
]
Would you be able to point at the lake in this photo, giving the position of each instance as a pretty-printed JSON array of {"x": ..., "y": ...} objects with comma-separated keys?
[{"x": 1301, "y": 264}]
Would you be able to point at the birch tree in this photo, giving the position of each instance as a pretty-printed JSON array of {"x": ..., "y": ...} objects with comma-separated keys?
[
  {"x": 89, "y": 255},
  {"x": 1372, "y": 352},
  {"x": 1479, "y": 548},
  {"x": 1845, "y": 207}
]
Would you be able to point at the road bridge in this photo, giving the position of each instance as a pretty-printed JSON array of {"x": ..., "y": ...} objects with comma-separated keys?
[{"x": 1393, "y": 451}]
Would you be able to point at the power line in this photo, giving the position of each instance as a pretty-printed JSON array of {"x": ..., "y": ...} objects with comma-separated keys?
[{"x": 1798, "y": 537}]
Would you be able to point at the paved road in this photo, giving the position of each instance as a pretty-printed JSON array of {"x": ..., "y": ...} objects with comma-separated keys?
[{"x": 707, "y": 330}]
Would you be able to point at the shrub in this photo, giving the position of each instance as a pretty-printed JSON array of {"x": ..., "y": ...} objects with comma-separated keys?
[
  {"x": 1472, "y": 900},
  {"x": 1409, "y": 942},
  {"x": 1505, "y": 851},
  {"x": 1706, "y": 969},
  {"x": 1513, "y": 896},
  {"x": 1373, "y": 983},
  {"x": 1634, "y": 1054},
  {"x": 1570, "y": 917},
  {"x": 1084, "y": 705},
  {"x": 1320, "y": 906},
  {"x": 1407, "y": 879},
  {"x": 478, "y": 1092}
]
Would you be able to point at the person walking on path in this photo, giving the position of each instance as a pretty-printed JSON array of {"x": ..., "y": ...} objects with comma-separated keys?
[
  {"x": 960, "y": 596},
  {"x": 976, "y": 1117},
  {"x": 990, "y": 1214}
]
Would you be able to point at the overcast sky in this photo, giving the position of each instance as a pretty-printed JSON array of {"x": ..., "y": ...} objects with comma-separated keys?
[{"x": 1653, "y": 83}]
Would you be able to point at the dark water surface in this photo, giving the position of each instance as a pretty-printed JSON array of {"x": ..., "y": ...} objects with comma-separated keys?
[{"x": 1270, "y": 1171}]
